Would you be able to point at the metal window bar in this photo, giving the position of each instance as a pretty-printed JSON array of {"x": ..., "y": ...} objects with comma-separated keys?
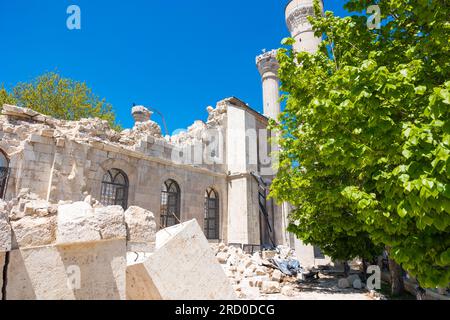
[
  {"x": 4, "y": 174},
  {"x": 170, "y": 204},
  {"x": 114, "y": 193},
  {"x": 212, "y": 218}
]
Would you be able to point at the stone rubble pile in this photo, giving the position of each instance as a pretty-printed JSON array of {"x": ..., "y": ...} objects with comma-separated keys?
[
  {"x": 114, "y": 254},
  {"x": 352, "y": 281},
  {"x": 254, "y": 276},
  {"x": 37, "y": 222},
  {"x": 25, "y": 122}
]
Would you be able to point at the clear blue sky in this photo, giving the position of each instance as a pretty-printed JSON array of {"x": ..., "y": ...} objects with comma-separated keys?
[{"x": 178, "y": 56}]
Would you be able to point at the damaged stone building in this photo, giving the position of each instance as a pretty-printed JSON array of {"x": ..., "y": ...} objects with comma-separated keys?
[{"x": 217, "y": 172}]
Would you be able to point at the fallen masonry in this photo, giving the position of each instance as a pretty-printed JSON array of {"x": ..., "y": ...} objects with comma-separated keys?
[
  {"x": 182, "y": 267},
  {"x": 254, "y": 276},
  {"x": 79, "y": 251},
  {"x": 265, "y": 275},
  {"x": 83, "y": 250}
]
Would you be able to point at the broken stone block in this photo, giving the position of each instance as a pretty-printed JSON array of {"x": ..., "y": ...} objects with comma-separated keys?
[
  {"x": 222, "y": 257},
  {"x": 260, "y": 272},
  {"x": 34, "y": 231},
  {"x": 79, "y": 222},
  {"x": 84, "y": 271},
  {"x": 270, "y": 287},
  {"x": 285, "y": 251},
  {"x": 37, "y": 207},
  {"x": 343, "y": 283},
  {"x": 230, "y": 274},
  {"x": 256, "y": 259},
  {"x": 250, "y": 293},
  {"x": 141, "y": 229},
  {"x": 268, "y": 254},
  {"x": 357, "y": 284},
  {"x": 277, "y": 276},
  {"x": 352, "y": 278},
  {"x": 47, "y": 132},
  {"x": 183, "y": 267},
  {"x": 288, "y": 291},
  {"x": 247, "y": 263},
  {"x": 257, "y": 281},
  {"x": 236, "y": 287},
  {"x": 250, "y": 272},
  {"x": 19, "y": 112}
]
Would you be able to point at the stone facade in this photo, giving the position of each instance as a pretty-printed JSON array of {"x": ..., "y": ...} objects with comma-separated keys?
[{"x": 67, "y": 160}]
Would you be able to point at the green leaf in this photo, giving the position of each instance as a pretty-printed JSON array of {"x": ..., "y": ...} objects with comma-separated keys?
[
  {"x": 420, "y": 90},
  {"x": 402, "y": 212}
]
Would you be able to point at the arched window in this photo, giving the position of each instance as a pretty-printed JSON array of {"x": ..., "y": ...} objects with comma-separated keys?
[
  {"x": 115, "y": 189},
  {"x": 211, "y": 214},
  {"x": 170, "y": 204},
  {"x": 4, "y": 171}
]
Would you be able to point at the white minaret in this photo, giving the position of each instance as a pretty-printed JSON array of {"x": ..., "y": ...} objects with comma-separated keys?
[
  {"x": 268, "y": 69},
  {"x": 297, "y": 13}
]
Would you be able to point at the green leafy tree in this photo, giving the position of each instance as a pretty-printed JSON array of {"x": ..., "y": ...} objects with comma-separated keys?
[
  {"x": 5, "y": 97},
  {"x": 63, "y": 98},
  {"x": 366, "y": 133}
]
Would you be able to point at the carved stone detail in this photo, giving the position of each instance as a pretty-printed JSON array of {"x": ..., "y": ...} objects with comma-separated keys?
[
  {"x": 267, "y": 62},
  {"x": 299, "y": 17}
]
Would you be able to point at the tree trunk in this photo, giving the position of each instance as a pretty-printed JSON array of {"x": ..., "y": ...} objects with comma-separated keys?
[
  {"x": 397, "y": 284},
  {"x": 346, "y": 269},
  {"x": 365, "y": 265}
]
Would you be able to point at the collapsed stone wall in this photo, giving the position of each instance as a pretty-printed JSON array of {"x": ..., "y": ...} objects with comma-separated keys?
[
  {"x": 20, "y": 124},
  {"x": 86, "y": 251},
  {"x": 65, "y": 160},
  {"x": 62, "y": 157},
  {"x": 42, "y": 244},
  {"x": 253, "y": 276}
]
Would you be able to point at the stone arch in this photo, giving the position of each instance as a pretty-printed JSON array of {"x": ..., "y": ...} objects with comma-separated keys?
[
  {"x": 115, "y": 188},
  {"x": 223, "y": 207},
  {"x": 170, "y": 211},
  {"x": 129, "y": 170},
  {"x": 212, "y": 222},
  {"x": 170, "y": 174}
]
